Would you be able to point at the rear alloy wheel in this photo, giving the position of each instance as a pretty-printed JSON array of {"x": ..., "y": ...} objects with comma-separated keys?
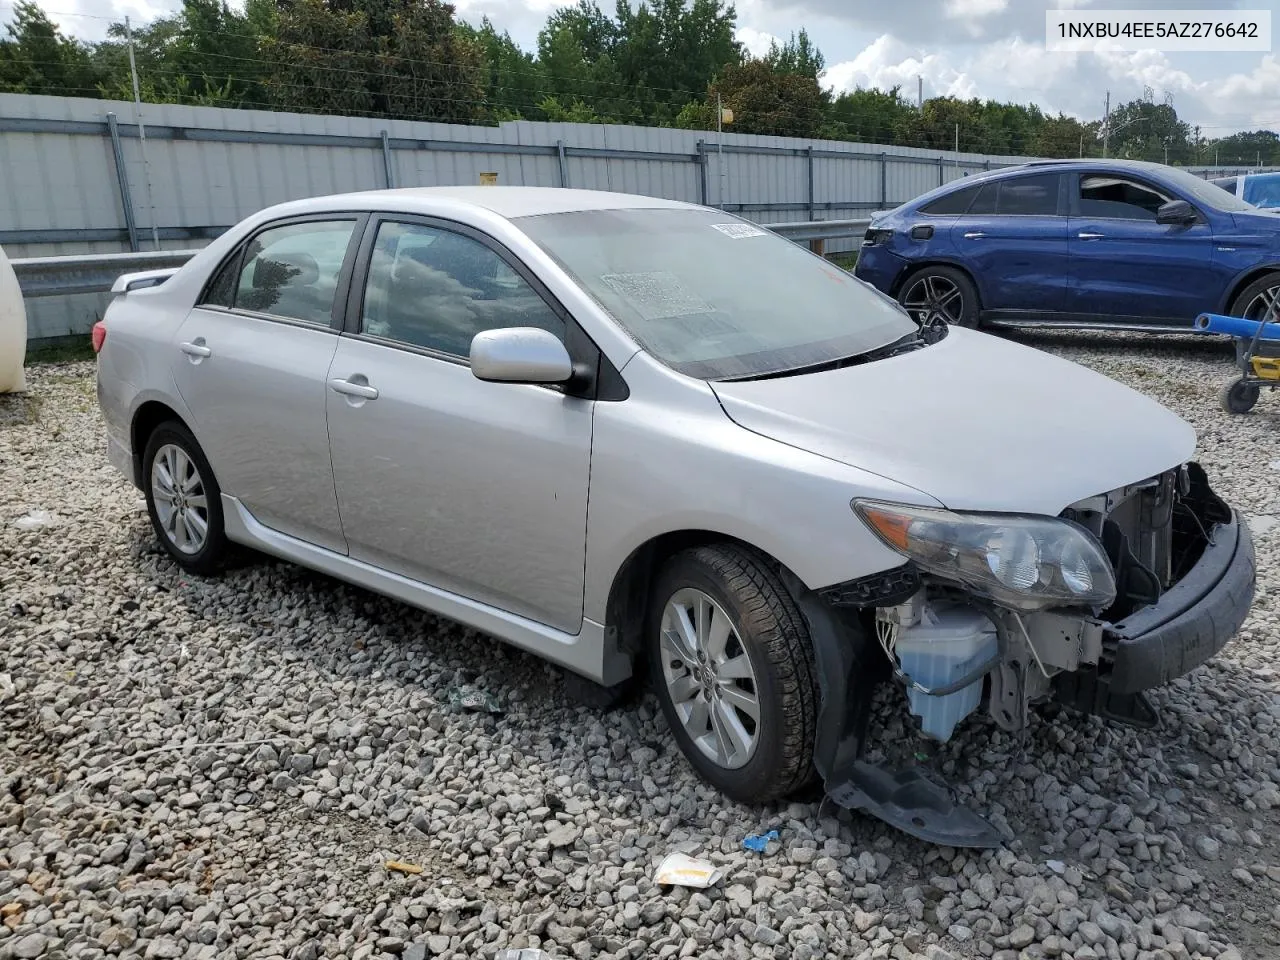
[
  {"x": 733, "y": 667},
  {"x": 940, "y": 293},
  {"x": 183, "y": 499}
]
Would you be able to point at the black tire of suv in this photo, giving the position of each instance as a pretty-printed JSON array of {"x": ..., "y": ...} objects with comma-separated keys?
[
  {"x": 1250, "y": 293},
  {"x": 210, "y": 558},
  {"x": 970, "y": 315},
  {"x": 775, "y": 637}
]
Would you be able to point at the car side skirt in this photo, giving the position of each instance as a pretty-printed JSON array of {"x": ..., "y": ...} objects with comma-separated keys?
[
  {"x": 583, "y": 653},
  {"x": 1081, "y": 321}
]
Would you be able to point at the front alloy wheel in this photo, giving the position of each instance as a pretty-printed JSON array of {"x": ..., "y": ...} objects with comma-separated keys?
[
  {"x": 733, "y": 666},
  {"x": 709, "y": 678}
]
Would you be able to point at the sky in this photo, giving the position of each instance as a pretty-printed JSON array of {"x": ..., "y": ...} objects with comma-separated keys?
[{"x": 990, "y": 49}]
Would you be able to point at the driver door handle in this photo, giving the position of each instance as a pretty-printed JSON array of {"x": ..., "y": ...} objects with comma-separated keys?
[
  {"x": 197, "y": 349},
  {"x": 974, "y": 235},
  {"x": 1090, "y": 236},
  {"x": 347, "y": 388}
]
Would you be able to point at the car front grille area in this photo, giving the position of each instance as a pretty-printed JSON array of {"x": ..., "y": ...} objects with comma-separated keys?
[{"x": 1153, "y": 533}]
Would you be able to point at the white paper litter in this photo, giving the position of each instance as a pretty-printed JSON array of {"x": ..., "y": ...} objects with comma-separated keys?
[
  {"x": 34, "y": 520},
  {"x": 682, "y": 870}
]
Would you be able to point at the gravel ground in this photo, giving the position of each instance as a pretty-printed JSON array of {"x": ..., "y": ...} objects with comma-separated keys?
[{"x": 208, "y": 768}]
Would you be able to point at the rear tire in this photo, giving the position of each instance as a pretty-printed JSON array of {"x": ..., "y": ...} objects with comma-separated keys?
[
  {"x": 941, "y": 291},
  {"x": 756, "y": 656},
  {"x": 1239, "y": 397},
  {"x": 183, "y": 499}
]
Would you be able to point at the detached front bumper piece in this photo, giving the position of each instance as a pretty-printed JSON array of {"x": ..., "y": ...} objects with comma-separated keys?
[
  {"x": 1186, "y": 627},
  {"x": 1193, "y": 620}
]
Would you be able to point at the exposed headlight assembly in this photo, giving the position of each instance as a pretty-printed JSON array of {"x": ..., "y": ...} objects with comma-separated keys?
[{"x": 1025, "y": 563}]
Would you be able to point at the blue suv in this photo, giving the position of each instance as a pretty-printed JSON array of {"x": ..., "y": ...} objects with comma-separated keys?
[{"x": 1087, "y": 243}]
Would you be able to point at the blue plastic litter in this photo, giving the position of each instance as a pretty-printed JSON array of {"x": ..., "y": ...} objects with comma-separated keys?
[{"x": 757, "y": 842}]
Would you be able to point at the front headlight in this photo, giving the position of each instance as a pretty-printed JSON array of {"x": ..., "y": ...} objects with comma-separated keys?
[{"x": 1026, "y": 563}]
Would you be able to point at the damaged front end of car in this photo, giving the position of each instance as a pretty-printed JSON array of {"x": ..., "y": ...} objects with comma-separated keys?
[{"x": 1121, "y": 592}]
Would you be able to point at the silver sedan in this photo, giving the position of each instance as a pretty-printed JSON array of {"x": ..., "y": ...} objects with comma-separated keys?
[{"x": 637, "y": 436}]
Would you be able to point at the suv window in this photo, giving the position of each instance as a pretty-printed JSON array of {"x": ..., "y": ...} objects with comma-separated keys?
[
  {"x": 437, "y": 289},
  {"x": 954, "y": 203},
  {"x": 1118, "y": 198},
  {"x": 1035, "y": 196},
  {"x": 1030, "y": 196},
  {"x": 292, "y": 271}
]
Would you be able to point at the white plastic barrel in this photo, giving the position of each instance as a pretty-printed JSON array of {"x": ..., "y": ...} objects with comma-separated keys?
[
  {"x": 946, "y": 645},
  {"x": 13, "y": 330}
]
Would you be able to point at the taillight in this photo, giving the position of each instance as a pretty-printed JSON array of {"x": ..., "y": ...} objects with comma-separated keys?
[
  {"x": 99, "y": 335},
  {"x": 877, "y": 235}
]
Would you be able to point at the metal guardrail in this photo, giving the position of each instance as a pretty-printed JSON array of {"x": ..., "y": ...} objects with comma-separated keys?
[
  {"x": 96, "y": 272},
  {"x": 88, "y": 273}
]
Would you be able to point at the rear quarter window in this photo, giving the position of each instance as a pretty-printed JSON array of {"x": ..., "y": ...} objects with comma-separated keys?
[{"x": 952, "y": 204}]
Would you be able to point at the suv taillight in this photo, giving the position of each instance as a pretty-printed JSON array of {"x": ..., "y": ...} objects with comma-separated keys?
[
  {"x": 98, "y": 335},
  {"x": 877, "y": 235}
]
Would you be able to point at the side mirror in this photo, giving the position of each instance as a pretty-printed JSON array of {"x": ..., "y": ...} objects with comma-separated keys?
[
  {"x": 1176, "y": 211},
  {"x": 520, "y": 355}
]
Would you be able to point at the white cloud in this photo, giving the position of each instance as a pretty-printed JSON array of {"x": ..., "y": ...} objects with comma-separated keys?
[
  {"x": 757, "y": 42},
  {"x": 958, "y": 9},
  {"x": 888, "y": 63}
]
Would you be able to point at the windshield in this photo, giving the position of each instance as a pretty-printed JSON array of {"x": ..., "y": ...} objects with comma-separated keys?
[
  {"x": 716, "y": 297},
  {"x": 1202, "y": 191}
]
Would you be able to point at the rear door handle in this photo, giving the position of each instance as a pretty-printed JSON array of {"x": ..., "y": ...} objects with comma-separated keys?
[
  {"x": 349, "y": 389},
  {"x": 196, "y": 349},
  {"x": 1090, "y": 236},
  {"x": 974, "y": 235}
]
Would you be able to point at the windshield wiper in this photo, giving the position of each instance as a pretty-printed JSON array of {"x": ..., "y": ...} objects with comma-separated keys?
[{"x": 920, "y": 337}]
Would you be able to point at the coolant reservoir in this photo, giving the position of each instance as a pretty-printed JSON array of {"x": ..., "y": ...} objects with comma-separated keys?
[
  {"x": 13, "y": 330},
  {"x": 948, "y": 642}
]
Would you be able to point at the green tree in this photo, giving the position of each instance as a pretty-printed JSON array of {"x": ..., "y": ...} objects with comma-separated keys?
[
  {"x": 798, "y": 55},
  {"x": 36, "y": 57},
  {"x": 869, "y": 115},
  {"x": 402, "y": 58},
  {"x": 206, "y": 53},
  {"x": 514, "y": 83},
  {"x": 1142, "y": 130},
  {"x": 764, "y": 100},
  {"x": 1245, "y": 148}
]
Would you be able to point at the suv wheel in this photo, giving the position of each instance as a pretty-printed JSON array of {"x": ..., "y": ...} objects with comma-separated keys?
[
  {"x": 183, "y": 499},
  {"x": 733, "y": 666},
  {"x": 1258, "y": 298},
  {"x": 941, "y": 292}
]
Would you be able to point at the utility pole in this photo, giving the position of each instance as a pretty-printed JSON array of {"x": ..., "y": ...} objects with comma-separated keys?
[
  {"x": 720, "y": 144},
  {"x": 919, "y": 92},
  {"x": 142, "y": 134},
  {"x": 1082, "y": 146},
  {"x": 957, "y": 146},
  {"x": 1106, "y": 127}
]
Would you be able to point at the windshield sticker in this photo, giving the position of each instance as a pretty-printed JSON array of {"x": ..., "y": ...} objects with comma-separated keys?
[
  {"x": 739, "y": 231},
  {"x": 656, "y": 296}
]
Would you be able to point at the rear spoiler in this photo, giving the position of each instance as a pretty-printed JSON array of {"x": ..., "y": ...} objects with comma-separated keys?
[{"x": 141, "y": 280}]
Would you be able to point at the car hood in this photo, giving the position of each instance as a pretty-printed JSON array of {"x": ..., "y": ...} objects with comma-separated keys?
[{"x": 975, "y": 422}]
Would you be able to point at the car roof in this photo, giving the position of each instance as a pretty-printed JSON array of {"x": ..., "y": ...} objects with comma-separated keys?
[
  {"x": 1265, "y": 175},
  {"x": 508, "y": 202}
]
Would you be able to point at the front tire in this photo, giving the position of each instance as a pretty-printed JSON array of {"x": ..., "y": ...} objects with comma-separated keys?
[
  {"x": 1257, "y": 298},
  {"x": 733, "y": 666},
  {"x": 183, "y": 499},
  {"x": 941, "y": 292}
]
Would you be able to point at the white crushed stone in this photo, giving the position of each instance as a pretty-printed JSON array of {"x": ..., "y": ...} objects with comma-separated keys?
[{"x": 206, "y": 768}]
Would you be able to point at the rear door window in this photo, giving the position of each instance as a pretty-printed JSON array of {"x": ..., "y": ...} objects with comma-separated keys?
[
  {"x": 1035, "y": 196},
  {"x": 292, "y": 271}
]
